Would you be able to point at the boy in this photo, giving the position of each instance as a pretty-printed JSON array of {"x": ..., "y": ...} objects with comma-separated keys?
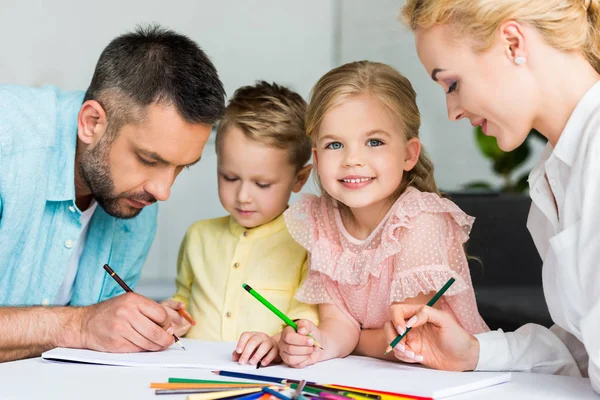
[{"x": 262, "y": 155}]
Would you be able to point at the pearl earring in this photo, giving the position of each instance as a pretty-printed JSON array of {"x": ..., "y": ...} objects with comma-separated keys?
[{"x": 520, "y": 60}]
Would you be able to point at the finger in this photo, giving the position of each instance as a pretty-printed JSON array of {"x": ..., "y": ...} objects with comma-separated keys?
[
  {"x": 433, "y": 316},
  {"x": 235, "y": 356},
  {"x": 405, "y": 355},
  {"x": 170, "y": 303},
  {"x": 176, "y": 319},
  {"x": 304, "y": 327},
  {"x": 242, "y": 342},
  {"x": 399, "y": 313},
  {"x": 127, "y": 346},
  {"x": 390, "y": 332},
  {"x": 261, "y": 351},
  {"x": 254, "y": 342},
  {"x": 298, "y": 350},
  {"x": 270, "y": 356},
  {"x": 296, "y": 339},
  {"x": 152, "y": 310},
  {"x": 295, "y": 361},
  {"x": 154, "y": 333},
  {"x": 139, "y": 340}
]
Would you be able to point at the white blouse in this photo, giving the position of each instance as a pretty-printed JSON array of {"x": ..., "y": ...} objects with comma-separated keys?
[{"x": 564, "y": 222}]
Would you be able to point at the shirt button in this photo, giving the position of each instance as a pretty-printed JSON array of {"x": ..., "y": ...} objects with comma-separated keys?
[
  {"x": 245, "y": 233},
  {"x": 71, "y": 208},
  {"x": 228, "y": 314},
  {"x": 69, "y": 244},
  {"x": 236, "y": 265},
  {"x": 45, "y": 302}
]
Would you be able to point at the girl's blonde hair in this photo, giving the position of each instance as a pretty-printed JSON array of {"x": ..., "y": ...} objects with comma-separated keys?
[
  {"x": 564, "y": 24},
  {"x": 392, "y": 89}
]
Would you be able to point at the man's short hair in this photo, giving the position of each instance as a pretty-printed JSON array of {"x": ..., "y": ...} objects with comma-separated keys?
[{"x": 156, "y": 65}]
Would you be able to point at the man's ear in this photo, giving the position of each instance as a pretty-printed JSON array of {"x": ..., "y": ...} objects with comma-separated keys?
[
  {"x": 301, "y": 178},
  {"x": 91, "y": 122}
]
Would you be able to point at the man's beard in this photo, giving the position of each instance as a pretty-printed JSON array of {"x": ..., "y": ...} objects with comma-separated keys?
[{"x": 94, "y": 168}]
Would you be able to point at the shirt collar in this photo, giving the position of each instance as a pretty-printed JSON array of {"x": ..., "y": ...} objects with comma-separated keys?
[
  {"x": 61, "y": 174},
  {"x": 264, "y": 230},
  {"x": 569, "y": 140}
]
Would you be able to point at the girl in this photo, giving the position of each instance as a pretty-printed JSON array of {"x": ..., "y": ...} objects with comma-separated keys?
[
  {"x": 541, "y": 61},
  {"x": 380, "y": 233}
]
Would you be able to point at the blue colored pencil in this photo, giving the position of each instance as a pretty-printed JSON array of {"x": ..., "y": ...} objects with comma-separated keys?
[
  {"x": 275, "y": 393},
  {"x": 258, "y": 377}
]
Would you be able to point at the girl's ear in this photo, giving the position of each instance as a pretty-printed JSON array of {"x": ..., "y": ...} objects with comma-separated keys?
[{"x": 412, "y": 151}]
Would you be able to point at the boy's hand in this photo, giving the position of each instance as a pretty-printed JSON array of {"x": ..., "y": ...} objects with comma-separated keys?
[
  {"x": 297, "y": 350},
  {"x": 255, "y": 347},
  {"x": 180, "y": 325}
]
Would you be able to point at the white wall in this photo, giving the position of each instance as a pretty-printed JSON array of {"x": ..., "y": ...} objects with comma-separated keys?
[
  {"x": 59, "y": 43},
  {"x": 293, "y": 43}
]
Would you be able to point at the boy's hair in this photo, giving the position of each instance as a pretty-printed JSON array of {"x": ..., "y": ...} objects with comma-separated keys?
[
  {"x": 156, "y": 65},
  {"x": 392, "y": 89},
  {"x": 270, "y": 114}
]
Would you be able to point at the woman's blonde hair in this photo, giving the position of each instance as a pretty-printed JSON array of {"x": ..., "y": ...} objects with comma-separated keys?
[
  {"x": 564, "y": 24},
  {"x": 392, "y": 89}
]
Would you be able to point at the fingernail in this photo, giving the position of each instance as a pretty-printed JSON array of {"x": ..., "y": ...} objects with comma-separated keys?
[
  {"x": 401, "y": 347},
  {"x": 400, "y": 330},
  {"x": 411, "y": 321},
  {"x": 311, "y": 342},
  {"x": 170, "y": 330},
  {"x": 239, "y": 351},
  {"x": 409, "y": 354},
  {"x": 419, "y": 358}
]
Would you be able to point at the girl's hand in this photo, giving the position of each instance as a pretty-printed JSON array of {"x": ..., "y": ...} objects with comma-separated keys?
[
  {"x": 255, "y": 347},
  {"x": 180, "y": 325},
  {"x": 297, "y": 350},
  {"x": 436, "y": 339}
]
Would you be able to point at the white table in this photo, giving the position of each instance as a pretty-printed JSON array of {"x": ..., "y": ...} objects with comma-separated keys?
[{"x": 38, "y": 379}]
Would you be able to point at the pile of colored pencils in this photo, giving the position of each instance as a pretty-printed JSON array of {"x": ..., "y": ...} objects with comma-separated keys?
[{"x": 269, "y": 388}]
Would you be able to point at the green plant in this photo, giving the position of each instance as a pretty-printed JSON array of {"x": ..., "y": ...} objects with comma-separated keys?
[{"x": 504, "y": 163}]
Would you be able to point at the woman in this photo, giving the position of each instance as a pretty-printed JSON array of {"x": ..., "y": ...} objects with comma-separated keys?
[{"x": 510, "y": 66}]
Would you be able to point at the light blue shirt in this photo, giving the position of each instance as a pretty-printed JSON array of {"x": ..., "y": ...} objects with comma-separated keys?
[{"x": 39, "y": 221}]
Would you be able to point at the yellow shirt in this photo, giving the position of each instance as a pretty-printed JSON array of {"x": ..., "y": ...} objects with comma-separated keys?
[{"x": 217, "y": 256}]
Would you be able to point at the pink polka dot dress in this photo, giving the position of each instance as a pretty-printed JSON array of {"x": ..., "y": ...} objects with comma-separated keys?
[{"x": 415, "y": 249}]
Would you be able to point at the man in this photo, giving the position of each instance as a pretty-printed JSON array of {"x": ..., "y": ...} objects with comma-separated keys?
[{"x": 78, "y": 179}]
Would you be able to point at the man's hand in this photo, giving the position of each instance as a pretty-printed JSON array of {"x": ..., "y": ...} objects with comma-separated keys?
[{"x": 125, "y": 324}]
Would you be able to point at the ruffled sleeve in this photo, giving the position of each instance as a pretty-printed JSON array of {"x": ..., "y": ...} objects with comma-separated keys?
[
  {"x": 300, "y": 221},
  {"x": 431, "y": 254}
]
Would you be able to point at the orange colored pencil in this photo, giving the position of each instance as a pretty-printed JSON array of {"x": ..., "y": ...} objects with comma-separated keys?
[{"x": 187, "y": 316}]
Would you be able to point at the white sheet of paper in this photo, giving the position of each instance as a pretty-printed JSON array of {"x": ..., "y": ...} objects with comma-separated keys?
[
  {"x": 199, "y": 354},
  {"x": 351, "y": 371}
]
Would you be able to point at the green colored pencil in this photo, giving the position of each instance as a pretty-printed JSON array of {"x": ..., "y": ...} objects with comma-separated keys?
[
  {"x": 430, "y": 304},
  {"x": 204, "y": 381},
  {"x": 276, "y": 311}
]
